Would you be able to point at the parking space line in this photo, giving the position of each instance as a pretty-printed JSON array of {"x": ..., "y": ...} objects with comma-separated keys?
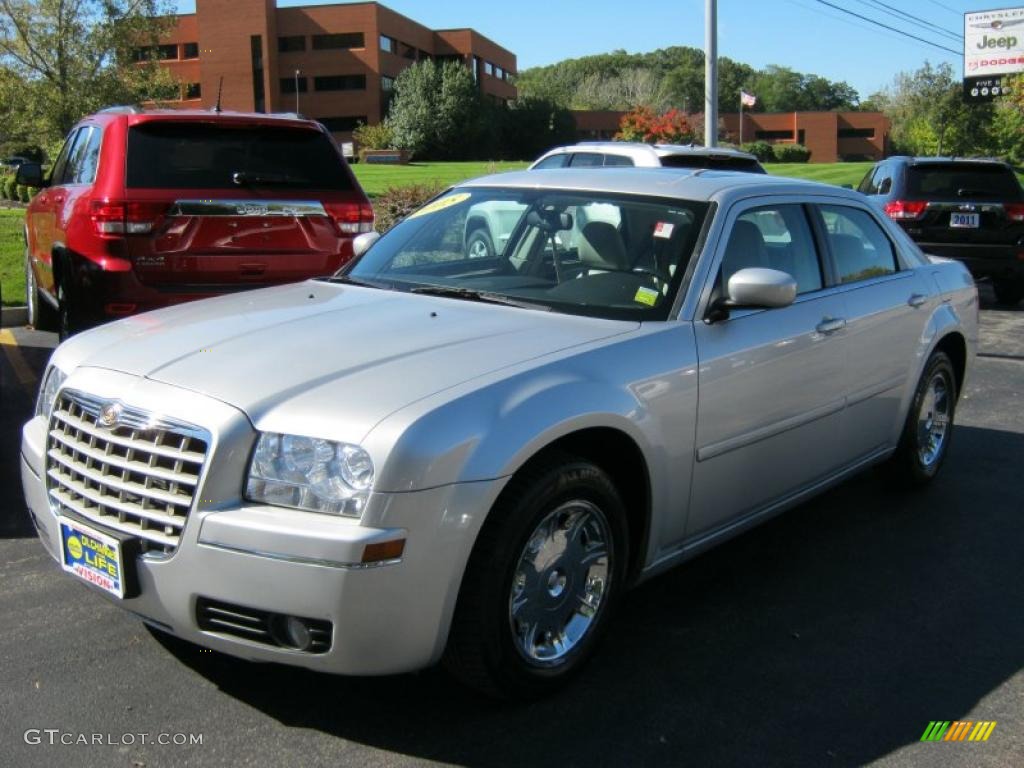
[{"x": 26, "y": 376}]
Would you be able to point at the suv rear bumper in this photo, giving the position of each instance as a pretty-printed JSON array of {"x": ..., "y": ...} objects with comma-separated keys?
[{"x": 995, "y": 261}]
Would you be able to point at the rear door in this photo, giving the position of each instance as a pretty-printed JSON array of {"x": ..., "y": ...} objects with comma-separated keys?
[
  {"x": 974, "y": 204},
  {"x": 221, "y": 204},
  {"x": 47, "y": 210}
]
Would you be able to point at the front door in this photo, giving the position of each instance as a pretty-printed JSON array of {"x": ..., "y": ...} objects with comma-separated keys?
[{"x": 771, "y": 389}]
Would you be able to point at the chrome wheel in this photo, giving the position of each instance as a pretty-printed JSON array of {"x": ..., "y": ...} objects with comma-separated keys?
[
  {"x": 30, "y": 291},
  {"x": 933, "y": 420},
  {"x": 561, "y": 579}
]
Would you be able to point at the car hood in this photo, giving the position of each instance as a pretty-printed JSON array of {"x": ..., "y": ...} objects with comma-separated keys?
[{"x": 299, "y": 356}]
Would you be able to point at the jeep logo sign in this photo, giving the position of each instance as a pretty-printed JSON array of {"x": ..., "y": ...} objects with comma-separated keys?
[{"x": 993, "y": 47}]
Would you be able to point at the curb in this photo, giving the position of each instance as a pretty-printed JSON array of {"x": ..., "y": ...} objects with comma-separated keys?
[{"x": 12, "y": 316}]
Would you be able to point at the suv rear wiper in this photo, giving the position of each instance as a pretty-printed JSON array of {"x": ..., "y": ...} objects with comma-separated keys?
[
  {"x": 241, "y": 178},
  {"x": 469, "y": 294}
]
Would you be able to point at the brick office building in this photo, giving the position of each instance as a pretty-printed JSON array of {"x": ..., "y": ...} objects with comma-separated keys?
[
  {"x": 830, "y": 136},
  {"x": 347, "y": 56}
]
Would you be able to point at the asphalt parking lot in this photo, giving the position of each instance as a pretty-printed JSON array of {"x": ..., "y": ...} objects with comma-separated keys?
[{"x": 830, "y": 636}]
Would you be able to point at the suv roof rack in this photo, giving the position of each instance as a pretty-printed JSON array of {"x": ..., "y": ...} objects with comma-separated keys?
[{"x": 120, "y": 109}]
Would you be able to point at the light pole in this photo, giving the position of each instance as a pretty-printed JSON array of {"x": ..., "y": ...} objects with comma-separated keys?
[
  {"x": 711, "y": 73},
  {"x": 296, "y": 91}
]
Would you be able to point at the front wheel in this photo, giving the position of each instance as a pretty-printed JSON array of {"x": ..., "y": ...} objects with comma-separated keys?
[
  {"x": 929, "y": 426},
  {"x": 541, "y": 582},
  {"x": 479, "y": 244},
  {"x": 1009, "y": 292},
  {"x": 41, "y": 315}
]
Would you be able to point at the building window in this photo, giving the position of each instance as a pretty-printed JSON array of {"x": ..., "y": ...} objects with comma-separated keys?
[
  {"x": 190, "y": 51},
  {"x": 291, "y": 43},
  {"x": 499, "y": 73},
  {"x": 338, "y": 124},
  {"x": 388, "y": 44},
  {"x": 340, "y": 83},
  {"x": 256, "y": 51},
  {"x": 488, "y": 68},
  {"x": 161, "y": 52},
  {"x": 387, "y": 84},
  {"x": 408, "y": 52},
  {"x": 193, "y": 91},
  {"x": 423, "y": 55},
  {"x": 856, "y": 133},
  {"x": 288, "y": 85},
  {"x": 340, "y": 40},
  {"x": 786, "y": 135}
]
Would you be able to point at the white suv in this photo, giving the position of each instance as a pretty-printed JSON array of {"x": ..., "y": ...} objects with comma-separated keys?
[{"x": 606, "y": 154}]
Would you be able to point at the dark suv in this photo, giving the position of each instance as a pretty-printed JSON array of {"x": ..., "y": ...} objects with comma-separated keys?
[
  {"x": 149, "y": 208},
  {"x": 965, "y": 209}
]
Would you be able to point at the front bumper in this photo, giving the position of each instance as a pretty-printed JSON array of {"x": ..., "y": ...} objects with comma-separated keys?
[{"x": 386, "y": 618}]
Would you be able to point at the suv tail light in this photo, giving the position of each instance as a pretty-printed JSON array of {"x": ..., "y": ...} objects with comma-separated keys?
[
  {"x": 906, "y": 210},
  {"x": 1014, "y": 211},
  {"x": 351, "y": 218},
  {"x": 125, "y": 217}
]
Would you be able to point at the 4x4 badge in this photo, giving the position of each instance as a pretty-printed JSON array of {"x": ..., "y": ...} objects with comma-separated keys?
[{"x": 109, "y": 415}]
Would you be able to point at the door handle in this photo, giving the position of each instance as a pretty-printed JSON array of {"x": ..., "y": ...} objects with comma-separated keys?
[
  {"x": 917, "y": 299},
  {"x": 831, "y": 325}
]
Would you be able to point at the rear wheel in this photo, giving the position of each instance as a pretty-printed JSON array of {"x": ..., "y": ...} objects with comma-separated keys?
[
  {"x": 541, "y": 583},
  {"x": 41, "y": 314},
  {"x": 479, "y": 244},
  {"x": 1009, "y": 292},
  {"x": 68, "y": 318},
  {"x": 929, "y": 426}
]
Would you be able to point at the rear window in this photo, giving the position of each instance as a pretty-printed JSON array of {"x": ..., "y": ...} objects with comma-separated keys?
[
  {"x": 168, "y": 155},
  {"x": 716, "y": 163},
  {"x": 954, "y": 180}
]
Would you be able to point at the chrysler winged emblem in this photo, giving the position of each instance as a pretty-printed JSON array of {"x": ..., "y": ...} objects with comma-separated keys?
[{"x": 109, "y": 415}]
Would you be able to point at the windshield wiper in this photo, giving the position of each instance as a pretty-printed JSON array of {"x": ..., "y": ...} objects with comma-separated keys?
[
  {"x": 241, "y": 178},
  {"x": 468, "y": 294},
  {"x": 349, "y": 280}
]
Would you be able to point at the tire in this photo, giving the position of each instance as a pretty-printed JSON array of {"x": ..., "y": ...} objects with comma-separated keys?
[
  {"x": 68, "y": 320},
  {"x": 41, "y": 314},
  {"x": 479, "y": 244},
  {"x": 1009, "y": 292},
  {"x": 517, "y": 637},
  {"x": 925, "y": 440}
]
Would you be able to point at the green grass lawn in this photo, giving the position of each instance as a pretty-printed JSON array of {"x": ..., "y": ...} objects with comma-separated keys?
[
  {"x": 827, "y": 173},
  {"x": 377, "y": 178},
  {"x": 12, "y": 257}
]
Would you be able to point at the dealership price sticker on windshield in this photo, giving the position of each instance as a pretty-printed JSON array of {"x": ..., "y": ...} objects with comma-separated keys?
[
  {"x": 92, "y": 556},
  {"x": 440, "y": 205}
]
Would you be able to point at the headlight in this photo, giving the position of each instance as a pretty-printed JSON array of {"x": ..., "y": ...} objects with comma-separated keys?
[
  {"x": 48, "y": 391},
  {"x": 309, "y": 473}
]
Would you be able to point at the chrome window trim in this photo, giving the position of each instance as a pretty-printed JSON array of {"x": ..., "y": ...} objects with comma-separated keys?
[{"x": 246, "y": 207}]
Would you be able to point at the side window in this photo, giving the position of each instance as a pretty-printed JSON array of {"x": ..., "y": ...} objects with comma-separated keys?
[
  {"x": 776, "y": 237},
  {"x": 867, "y": 184},
  {"x": 84, "y": 158},
  {"x": 859, "y": 246},
  {"x": 618, "y": 161},
  {"x": 61, "y": 163},
  {"x": 885, "y": 185},
  {"x": 555, "y": 161},
  {"x": 587, "y": 160}
]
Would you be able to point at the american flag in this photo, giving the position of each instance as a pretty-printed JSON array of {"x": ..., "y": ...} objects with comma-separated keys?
[{"x": 747, "y": 100}]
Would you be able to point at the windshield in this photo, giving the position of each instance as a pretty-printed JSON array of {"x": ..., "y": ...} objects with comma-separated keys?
[
  {"x": 575, "y": 252},
  {"x": 714, "y": 162},
  {"x": 952, "y": 180}
]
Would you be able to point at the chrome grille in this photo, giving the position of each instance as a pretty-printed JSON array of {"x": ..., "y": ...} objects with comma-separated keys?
[{"x": 138, "y": 477}]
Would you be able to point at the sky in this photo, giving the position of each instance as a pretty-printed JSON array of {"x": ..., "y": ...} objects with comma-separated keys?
[{"x": 805, "y": 35}]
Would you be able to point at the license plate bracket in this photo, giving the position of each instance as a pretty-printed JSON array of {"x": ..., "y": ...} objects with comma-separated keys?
[
  {"x": 104, "y": 559},
  {"x": 964, "y": 220}
]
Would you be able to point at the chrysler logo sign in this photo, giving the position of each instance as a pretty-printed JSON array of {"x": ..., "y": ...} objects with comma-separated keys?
[{"x": 109, "y": 415}]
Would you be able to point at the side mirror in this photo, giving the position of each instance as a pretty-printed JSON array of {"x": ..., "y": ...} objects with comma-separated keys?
[
  {"x": 29, "y": 175},
  {"x": 363, "y": 242},
  {"x": 846, "y": 186},
  {"x": 760, "y": 287}
]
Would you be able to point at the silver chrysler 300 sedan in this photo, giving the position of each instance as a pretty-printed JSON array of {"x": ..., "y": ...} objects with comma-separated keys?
[{"x": 434, "y": 455}]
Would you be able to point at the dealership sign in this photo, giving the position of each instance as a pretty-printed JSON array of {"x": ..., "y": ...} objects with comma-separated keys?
[{"x": 993, "y": 47}]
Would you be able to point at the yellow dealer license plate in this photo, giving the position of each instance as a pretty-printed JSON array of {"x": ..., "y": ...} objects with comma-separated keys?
[{"x": 93, "y": 556}]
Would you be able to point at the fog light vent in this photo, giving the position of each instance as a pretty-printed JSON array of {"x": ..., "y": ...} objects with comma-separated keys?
[{"x": 259, "y": 626}]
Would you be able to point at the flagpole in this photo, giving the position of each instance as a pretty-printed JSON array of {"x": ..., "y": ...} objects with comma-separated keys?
[{"x": 741, "y": 117}]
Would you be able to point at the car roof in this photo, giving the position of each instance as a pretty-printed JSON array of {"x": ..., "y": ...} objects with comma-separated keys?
[
  {"x": 683, "y": 183},
  {"x": 661, "y": 150},
  {"x": 948, "y": 160},
  {"x": 135, "y": 116}
]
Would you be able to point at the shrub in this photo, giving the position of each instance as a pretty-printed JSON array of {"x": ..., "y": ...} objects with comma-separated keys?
[
  {"x": 398, "y": 202},
  {"x": 9, "y": 188},
  {"x": 762, "y": 150},
  {"x": 642, "y": 124},
  {"x": 791, "y": 153},
  {"x": 377, "y": 136}
]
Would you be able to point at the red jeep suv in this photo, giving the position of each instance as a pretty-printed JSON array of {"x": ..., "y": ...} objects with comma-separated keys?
[{"x": 149, "y": 208}]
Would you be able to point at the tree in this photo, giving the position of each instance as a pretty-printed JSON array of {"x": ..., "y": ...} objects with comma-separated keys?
[
  {"x": 534, "y": 125},
  {"x": 642, "y": 124},
  {"x": 436, "y": 111},
  {"x": 1008, "y": 121},
  {"x": 62, "y": 59}
]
